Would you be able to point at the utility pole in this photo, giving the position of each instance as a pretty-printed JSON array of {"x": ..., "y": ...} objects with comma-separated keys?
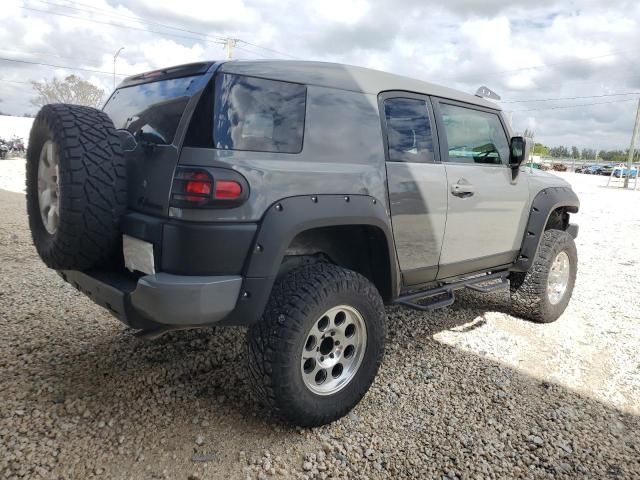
[
  {"x": 230, "y": 43},
  {"x": 115, "y": 57},
  {"x": 632, "y": 148}
]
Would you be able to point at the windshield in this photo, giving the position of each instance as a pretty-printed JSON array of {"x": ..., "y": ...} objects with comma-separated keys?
[{"x": 152, "y": 111}]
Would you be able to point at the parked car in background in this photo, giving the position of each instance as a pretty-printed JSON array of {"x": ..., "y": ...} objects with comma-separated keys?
[
  {"x": 622, "y": 172},
  {"x": 605, "y": 170},
  {"x": 592, "y": 170},
  {"x": 16, "y": 145},
  {"x": 559, "y": 167},
  {"x": 4, "y": 149}
]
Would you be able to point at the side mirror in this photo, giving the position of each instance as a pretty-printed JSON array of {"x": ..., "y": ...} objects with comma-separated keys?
[{"x": 519, "y": 152}]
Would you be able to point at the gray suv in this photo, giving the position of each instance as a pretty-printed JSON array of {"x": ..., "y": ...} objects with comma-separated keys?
[{"x": 295, "y": 198}]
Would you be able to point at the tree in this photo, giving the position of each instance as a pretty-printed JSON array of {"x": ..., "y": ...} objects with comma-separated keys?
[
  {"x": 540, "y": 149},
  {"x": 588, "y": 154},
  {"x": 559, "y": 152},
  {"x": 72, "y": 89},
  {"x": 575, "y": 153}
]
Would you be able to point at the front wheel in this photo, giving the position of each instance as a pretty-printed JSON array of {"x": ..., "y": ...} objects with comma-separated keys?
[
  {"x": 319, "y": 344},
  {"x": 543, "y": 292}
]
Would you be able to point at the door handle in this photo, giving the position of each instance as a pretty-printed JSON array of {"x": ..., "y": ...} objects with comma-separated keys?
[{"x": 462, "y": 189}]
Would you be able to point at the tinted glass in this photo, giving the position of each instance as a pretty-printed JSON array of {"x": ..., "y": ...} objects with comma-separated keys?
[
  {"x": 258, "y": 115},
  {"x": 474, "y": 136},
  {"x": 408, "y": 130},
  {"x": 151, "y": 111}
]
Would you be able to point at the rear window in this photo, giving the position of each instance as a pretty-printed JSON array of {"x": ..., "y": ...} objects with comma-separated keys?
[
  {"x": 152, "y": 111},
  {"x": 258, "y": 115},
  {"x": 408, "y": 130}
]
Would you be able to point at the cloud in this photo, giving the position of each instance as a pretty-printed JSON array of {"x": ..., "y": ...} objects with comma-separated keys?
[{"x": 521, "y": 49}]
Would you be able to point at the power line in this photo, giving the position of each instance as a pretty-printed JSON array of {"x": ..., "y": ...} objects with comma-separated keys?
[
  {"x": 574, "y": 106},
  {"x": 573, "y": 82},
  {"x": 213, "y": 39},
  {"x": 48, "y": 54},
  {"x": 14, "y": 81},
  {"x": 60, "y": 66},
  {"x": 108, "y": 13},
  {"x": 570, "y": 98},
  {"x": 547, "y": 65},
  {"x": 251, "y": 51},
  {"x": 117, "y": 25},
  {"x": 271, "y": 50}
]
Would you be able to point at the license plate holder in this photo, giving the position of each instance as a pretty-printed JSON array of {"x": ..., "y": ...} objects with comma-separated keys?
[{"x": 138, "y": 255}]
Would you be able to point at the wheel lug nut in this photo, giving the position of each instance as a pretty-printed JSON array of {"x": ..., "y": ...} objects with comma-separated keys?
[
  {"x": 331, "y": 355},
  {"x": 337, "y": 342},
  {"x": 321, "y": 359},
  {"x": 333, "y": 333}
]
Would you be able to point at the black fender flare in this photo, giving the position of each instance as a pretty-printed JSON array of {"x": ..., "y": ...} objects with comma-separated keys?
[
  {"x": 545, "y": 202},
  {"x": 280, "y": 224}
]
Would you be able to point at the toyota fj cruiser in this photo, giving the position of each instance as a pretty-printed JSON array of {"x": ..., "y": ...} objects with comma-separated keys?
[{"x": 296, "y": 198}]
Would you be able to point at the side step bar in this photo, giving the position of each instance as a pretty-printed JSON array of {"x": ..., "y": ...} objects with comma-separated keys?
[{"x": 483, "y": 283}]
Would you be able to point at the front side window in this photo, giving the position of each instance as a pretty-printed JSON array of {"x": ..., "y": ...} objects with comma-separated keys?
[
  {"x": 474, "y": 136},
  {"x": 408, "y": 130},
  {"x": 258, "y": 115}
]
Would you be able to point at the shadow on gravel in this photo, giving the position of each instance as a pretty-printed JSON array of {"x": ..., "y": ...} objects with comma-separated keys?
[{"x": 433, "y": 409}]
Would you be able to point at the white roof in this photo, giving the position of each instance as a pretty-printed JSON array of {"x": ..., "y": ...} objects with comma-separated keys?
[{"x": 345, "y": 77}]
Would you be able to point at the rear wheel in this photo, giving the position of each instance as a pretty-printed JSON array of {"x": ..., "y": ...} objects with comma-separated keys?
[
  {"x": 543, "y": 292},
  {"x": 76, "y": 186},
  {"x": 318, "y": 347}
]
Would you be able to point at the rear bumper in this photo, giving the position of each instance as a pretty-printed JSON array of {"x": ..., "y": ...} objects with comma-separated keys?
[
  {"x": 164, "y": 299},
  {"x": 193, "y": 248}
]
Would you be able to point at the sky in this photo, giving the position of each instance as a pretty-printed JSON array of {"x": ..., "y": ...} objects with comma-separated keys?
[{"x": 550, "y": 51}]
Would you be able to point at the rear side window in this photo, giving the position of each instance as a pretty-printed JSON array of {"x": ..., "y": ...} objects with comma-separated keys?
[
  {"x": 474, "y": 136},
  {"x": 258, "y": 115},
  {"x": 152, "y": 111},
  {"x": 408, "y": 130}
]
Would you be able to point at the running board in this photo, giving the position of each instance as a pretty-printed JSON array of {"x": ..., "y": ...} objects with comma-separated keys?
[{"x": 484, "y": 284}]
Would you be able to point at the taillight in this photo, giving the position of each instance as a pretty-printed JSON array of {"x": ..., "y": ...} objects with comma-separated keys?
[
  {"x": 228, "y": 189},
  {"x": 193, "y": 186},
  {"x": 210, "y": 188},
  {"x": 199, "y": 185}
]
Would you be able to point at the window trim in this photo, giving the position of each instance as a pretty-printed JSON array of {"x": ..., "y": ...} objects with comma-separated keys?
[
  {"x": 215, "y": 99},
  {"x": 432, "y": 121},
  {"x": 444, "y": 144}
]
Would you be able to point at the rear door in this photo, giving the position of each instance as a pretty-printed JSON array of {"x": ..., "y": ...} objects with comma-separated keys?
[
  {"x": 416, "y": 182},
  {"x": 486, "y": 203},
  {"x": 152, "y": 117}
]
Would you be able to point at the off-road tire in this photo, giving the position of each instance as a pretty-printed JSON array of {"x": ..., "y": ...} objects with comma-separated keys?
[
  {"x": 529, "y": 298},
  {"x": 91, "y": 183},
  {"x": 275, "y": 343}
]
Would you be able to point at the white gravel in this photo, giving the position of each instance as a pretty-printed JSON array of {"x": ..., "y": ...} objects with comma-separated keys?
[
  {"x": 12, "y": 175},
  {"x": 465, "y": 392}
]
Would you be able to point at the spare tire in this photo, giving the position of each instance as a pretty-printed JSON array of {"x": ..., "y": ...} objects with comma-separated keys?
[{"x": 76, "y": 186}]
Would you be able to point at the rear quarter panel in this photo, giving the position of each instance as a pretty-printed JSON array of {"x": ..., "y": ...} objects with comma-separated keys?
[{"x": 342, "y": 154}]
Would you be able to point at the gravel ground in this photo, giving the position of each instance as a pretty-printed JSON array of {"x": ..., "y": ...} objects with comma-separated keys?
[
  {"x": 464, "y": 392},
  {"x": 12, "y": 175}
]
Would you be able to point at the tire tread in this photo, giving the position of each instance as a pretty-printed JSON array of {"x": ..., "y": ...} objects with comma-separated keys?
[
  {"x": 273, "y": 338},
  {"x": 93, "y": 190}
]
